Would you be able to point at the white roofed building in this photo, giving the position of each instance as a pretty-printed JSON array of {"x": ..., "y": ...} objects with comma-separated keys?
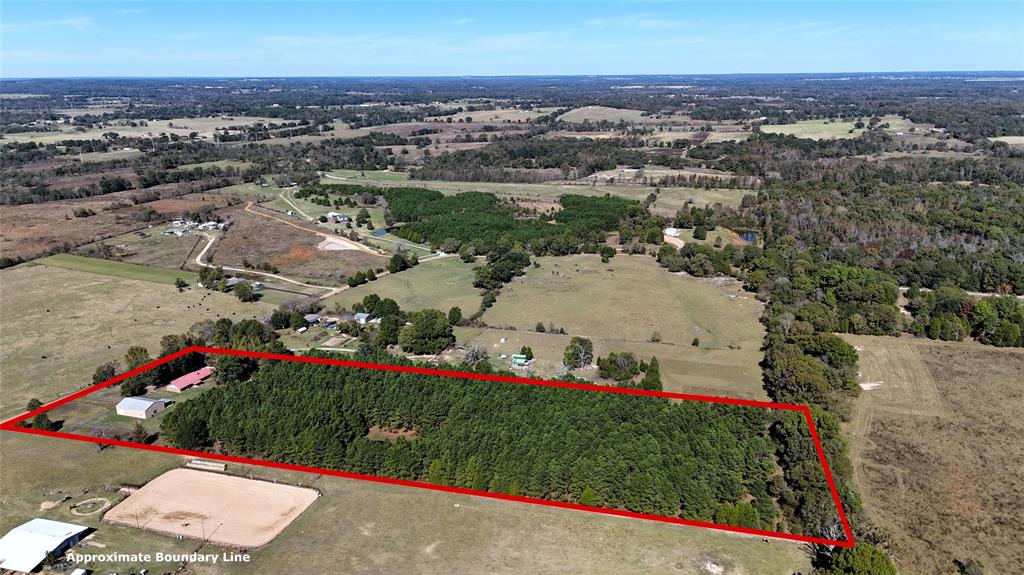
[
  {"x": 26, "y": 546},
  {"x": 140, "y": 407}
]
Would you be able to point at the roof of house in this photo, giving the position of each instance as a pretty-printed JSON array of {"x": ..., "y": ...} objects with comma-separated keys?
[
  {"x": 190, "y": 379},
  {"x": 137, "y": 403},
  {"x": 362, "y": 316},
  {"x": 311, "y": 317},
  {"x": 25, "y": 547}
]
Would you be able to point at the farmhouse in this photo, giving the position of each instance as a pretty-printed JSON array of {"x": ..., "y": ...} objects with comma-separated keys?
[
  {"x": 27, "y": 545},
  {"x": 312, "y": 318},
  {"x": 363, "y": 318},
  {"x": 186, "y": 381},
  {"x": 140, "y": 407},
  {"x": 336, "y": 218}
]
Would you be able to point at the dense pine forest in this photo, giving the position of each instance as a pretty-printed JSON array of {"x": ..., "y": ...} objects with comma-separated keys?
[{"x": 682, "y": 459}]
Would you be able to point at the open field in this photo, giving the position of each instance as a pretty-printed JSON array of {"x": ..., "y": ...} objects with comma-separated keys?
[
  {"x": 684, "y": 368},
  {"x": 240, "y": 512},
  {"x": 671, "y": 198},
  {"x": 124, "y": 270},
  {"x": 152, "y": 247},
  {"x": 439, "y": 284},
  {"x": 372, "y": 175},
  {"x": 499, "y": 116},
  {"x": 936, "y": 447},
  {"x": 1012, "y": 140},
  {"x": 205, "y": 127},
  {"x": 124, "y": 154},
  {"x": 65, "y": 323},
  {"x": 215, "y": 164},
  {"x": 293, "y": 249},
  {"x": 827, "y": 129},
  {"x": 580, "y": 294},
  {"x": 358, "y": 527},
  {"x": 31, "y": 229},
  {"x": 596, "y": 114}
]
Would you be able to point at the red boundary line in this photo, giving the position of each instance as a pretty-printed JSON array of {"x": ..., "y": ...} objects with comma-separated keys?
[{"x": 12, "y": 425}]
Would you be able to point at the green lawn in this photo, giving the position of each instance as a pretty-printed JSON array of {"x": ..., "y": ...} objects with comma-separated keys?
[
  {"x": 118, "y": 269},
  {"x": 440, "y": 284}
]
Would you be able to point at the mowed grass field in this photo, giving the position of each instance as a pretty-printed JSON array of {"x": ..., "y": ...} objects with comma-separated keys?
[
  {"x": 1011, "y": 140},
  {"x": 598, "y": 113},
  {"x": 828, "y": 129},
  {"x": 440, "y": 284},
  {"x": 580, "y": 295},
  {"x": 630, "y": 298},
  {"x": 124, "y": 270},
  {"x": 937, "y": 450},
  {"x": 358, "y": 527},
  {"x": 58, "y": 324}
]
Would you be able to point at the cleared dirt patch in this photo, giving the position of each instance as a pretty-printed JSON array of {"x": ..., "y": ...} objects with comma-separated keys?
[
  {"x": 937, "y": 451},
  {"x": 222, "y": 509},
  {"x": 295, "y": 250}
]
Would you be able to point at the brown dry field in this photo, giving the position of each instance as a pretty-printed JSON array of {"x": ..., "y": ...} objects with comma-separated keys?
[
  {"x": 289, "y": 249},
  {"x": 31, "y": 229},
  {"x": 227, "y": 510},
  {"x": 938, "y": 453}
]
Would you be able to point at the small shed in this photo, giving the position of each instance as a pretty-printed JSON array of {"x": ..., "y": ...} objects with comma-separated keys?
[
  {"x": 519, "y": 360},
  {"x": 140, "y": 407},
  {"x": 186, "y": 381}
]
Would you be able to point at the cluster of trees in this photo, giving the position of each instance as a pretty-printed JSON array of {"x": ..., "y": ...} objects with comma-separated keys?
[
  {"x": 685, "y": 459},
  {"x": 951, "y": 314},
  {"x": 624, "y": 367}
]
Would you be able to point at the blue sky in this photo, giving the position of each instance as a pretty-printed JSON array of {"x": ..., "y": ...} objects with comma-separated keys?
[{"x": 39, "y": 38}]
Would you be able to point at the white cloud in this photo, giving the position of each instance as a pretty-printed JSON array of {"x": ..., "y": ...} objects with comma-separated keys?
[
  {"x": 78, "y": 23},
  {"x": 636, "y": 22}
]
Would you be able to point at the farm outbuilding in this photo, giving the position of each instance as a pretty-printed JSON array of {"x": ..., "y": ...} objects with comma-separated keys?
[
  {"x": 140, "y": 407},
  {"x": 186, "y": 381},
  {"x": 363, "y": 318},
  {"x": 27, "y": 545}
]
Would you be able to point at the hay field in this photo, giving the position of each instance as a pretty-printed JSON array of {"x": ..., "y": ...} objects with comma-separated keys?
[
  {"x": 580, "y": 294},
  {"x": 1011, "y": 140},
  {"x": 937, "y": 452},
  {"x": 64, "y": 323},
  {"x": 829, "y": 129},
  {"x": 603, "y": 113},
  {"x": 439, "y": 284},
  {"x": 228, "y": 511}
]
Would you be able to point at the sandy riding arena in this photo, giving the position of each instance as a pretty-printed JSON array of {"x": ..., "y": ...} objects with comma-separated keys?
[{"x": 222, "y": 509}]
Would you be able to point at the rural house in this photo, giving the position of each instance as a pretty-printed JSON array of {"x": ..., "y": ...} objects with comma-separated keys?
[
  {"x": 336, "y": 218},
  {"x": 186, "y": 381},
  {"x": 27, "y": 545},
  {"x": 363, "y": 318},
  {"x": 140, "y": 407}
]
